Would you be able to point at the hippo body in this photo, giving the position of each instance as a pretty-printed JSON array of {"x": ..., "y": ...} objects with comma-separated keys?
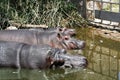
[
  {"x": 53, "y": 39},
  {"x": 20, "y": 55}
]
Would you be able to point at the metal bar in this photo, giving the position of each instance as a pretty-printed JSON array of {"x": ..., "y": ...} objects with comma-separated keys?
[
  {"x": 110, "y": 18},
  {"x": 110, "y": 9},
  {"x": 119, "y": 11},
  {"x": 119, "y": 5},
  {"x": 102, "y": 9},
  {"x": 107, "y": 15},
  {"x": 109, "y": 2}
]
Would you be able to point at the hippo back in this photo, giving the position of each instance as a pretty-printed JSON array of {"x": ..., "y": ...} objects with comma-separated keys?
[
  {"x": 54, "y": 39},
  {"x": 18, "y": 36}
]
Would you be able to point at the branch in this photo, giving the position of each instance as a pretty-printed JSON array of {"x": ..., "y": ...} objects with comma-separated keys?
[{"x": 28, "y": 25}]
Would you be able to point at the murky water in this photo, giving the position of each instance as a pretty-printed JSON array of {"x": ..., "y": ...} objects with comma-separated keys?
[{"x": 103, "y": 56}]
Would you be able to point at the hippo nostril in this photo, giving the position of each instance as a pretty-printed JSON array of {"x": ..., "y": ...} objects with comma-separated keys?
[{"x": 67, "y": 66}]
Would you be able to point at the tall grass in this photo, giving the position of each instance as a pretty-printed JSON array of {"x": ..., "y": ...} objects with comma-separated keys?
[{"x": 49, "y": 12}]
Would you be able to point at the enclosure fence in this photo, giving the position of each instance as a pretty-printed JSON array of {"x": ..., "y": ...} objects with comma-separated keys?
[{"x": 105, "y": 13}]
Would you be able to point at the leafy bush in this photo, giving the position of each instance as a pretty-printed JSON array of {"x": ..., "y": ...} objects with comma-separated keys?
[{"x": 49, "y": 12}]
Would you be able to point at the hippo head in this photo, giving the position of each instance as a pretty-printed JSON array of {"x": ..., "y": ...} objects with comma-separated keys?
[
  {"x": 66, "y": 42},
  {"x": 66, "y": 31},
  {"x": 55, "y": 57},
  {"x": 60, "y": 58},
  {"x": 74, "y": 61}
]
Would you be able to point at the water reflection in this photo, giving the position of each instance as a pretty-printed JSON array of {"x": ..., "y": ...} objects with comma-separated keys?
[
  {"x": 103, "y": 56},
  {"x": 25, "y": 74}
]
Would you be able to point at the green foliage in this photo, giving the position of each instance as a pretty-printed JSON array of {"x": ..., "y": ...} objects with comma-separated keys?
[{"x": 49, "y": 12}]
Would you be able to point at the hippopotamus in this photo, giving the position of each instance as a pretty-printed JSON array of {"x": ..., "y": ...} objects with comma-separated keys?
[
  {"x": 57, "y": 40},
  {"x": 64, "y": 30},
  {"x": 21, "y": 55}
]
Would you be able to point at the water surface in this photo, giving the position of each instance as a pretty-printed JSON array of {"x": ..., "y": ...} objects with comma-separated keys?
[{"x": 103, "y": 56}]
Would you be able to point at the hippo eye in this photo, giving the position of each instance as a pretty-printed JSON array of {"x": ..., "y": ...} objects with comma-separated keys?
[
  {"x": 60, "y": 29},
  {"x": 66, "y": 38}
]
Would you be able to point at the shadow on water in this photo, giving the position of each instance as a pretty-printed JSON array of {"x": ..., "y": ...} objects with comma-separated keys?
[{"x": 103, "y": 56}]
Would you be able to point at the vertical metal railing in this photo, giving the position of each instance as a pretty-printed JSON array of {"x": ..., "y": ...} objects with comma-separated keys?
[{"x": 110, "y": 5}]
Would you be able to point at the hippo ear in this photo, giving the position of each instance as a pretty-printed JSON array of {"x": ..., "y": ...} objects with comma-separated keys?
[
  {"x": 49, "y": 53},
  {"x": 59, "y": 30},
  {"x": 50, "y": 57}
]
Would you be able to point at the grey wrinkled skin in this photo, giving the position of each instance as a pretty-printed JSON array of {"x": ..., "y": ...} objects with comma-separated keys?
[
  {"x": 66, "y": 31},
  {"x": 19, "y": 55},
  {"x": 56, "y": 40},
  {"x": 74, "y": 61}
]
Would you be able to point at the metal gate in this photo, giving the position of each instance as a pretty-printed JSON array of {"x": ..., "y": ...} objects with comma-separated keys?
[{"x": 104, "y": 13}]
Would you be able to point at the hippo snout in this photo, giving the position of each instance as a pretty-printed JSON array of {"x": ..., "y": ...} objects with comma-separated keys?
[
  {"x": 81, "y": 44},
  {"x": 75, "y": 61},
  {"x": 83, "y": 63},
  {"x": 79, "y": 62},
  {"x": 77, "y": 44}
]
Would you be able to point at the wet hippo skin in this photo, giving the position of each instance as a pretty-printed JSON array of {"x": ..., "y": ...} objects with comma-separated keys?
[
  {"x": 20, "y": 55},
  {"x": 66, "y": 31},
  {"x": 54, "y": 39}
]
